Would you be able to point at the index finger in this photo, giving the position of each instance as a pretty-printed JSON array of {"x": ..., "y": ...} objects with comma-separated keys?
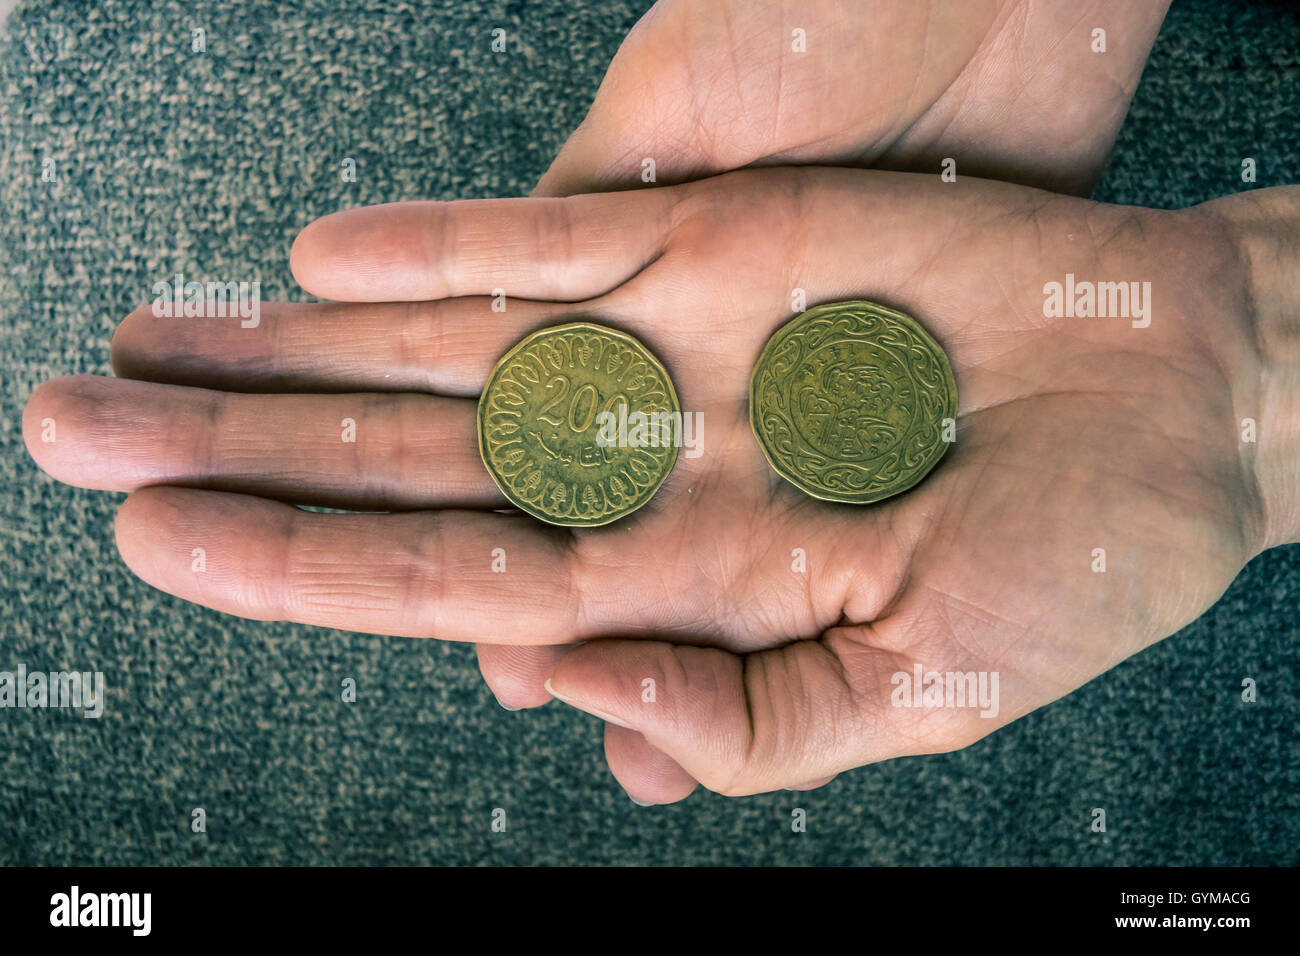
[{"x": 553, "y": 249}]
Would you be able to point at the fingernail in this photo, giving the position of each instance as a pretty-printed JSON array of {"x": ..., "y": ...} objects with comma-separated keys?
[
  {"x": 507, "y": 706},
  {"x": 608, "y": 718},
  {"x": 638, "y": 802}
]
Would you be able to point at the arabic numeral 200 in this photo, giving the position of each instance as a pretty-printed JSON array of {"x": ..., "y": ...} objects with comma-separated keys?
[{"x": 582, "y": 405}]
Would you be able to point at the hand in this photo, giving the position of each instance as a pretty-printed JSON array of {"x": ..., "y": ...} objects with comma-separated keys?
[
  {"x": 1073, "y": 435},
  {"x": 1011, "y": 89}
]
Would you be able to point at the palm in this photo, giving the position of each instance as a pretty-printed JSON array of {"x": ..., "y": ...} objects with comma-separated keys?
[
  {"x": 1000, "y": 538},
  {"x": 1010, "y": 88},
  {"x": 1074, "y": 434},
  {"x": 1064, "y": 448}
]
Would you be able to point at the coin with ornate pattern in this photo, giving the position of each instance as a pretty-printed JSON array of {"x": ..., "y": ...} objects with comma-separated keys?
[
  {"x": 853, "y": 402},
  {"x": 553, "y": 424}
]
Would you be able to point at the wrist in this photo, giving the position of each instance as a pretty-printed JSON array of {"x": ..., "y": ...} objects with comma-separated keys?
[{"x": 1265, "y": 226}]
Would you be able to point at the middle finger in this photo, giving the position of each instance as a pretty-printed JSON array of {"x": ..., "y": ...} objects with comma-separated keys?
[{"x": 363, "y": 451}]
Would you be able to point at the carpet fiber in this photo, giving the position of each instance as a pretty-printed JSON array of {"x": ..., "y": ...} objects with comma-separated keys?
[{"x": 208, "y": 164}]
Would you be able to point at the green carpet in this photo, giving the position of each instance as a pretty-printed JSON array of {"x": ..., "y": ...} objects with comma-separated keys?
[{"x": 208, "y": 164}]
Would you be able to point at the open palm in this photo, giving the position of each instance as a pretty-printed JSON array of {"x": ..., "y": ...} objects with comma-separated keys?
[
  {"x": 1016, "y": 90},
  {"x": 1074, "y": 434}
]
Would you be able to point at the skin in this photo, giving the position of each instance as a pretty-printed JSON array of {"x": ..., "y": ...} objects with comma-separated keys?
[
  {"x": 1073, "y": 434},
  {"x": 1011, "y": 89}
]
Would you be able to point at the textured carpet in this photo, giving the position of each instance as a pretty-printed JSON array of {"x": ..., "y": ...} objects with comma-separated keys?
[{"x": 208, "y": 164}]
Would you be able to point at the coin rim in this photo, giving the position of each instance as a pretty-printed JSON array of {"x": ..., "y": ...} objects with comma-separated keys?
[
  {"x": 519, "y": 346},
  {"x": 818, "y": 493}
]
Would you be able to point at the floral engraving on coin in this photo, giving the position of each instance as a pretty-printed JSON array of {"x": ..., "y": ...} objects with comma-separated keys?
[
  {"x": 848, "y": 402},
  {"x": 538, "y": 424}
]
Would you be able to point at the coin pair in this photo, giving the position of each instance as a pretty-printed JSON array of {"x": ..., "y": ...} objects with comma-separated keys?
[{"x": 579, "y": 424}]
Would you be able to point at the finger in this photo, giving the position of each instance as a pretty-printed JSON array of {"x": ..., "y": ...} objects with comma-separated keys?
[
  {"x": 359, "y": 451},
  {"x": 776, "y": 719},
  {"x": 1017, "y": 137},
  {"x": 517, "y": 674},
  {"x": 700, "y": 91},
  {"x": 555, "y": 249},
  {"x": 649, "y": 775},
  {"x": 421, "y": 574},
  {"x": 447, "y": 347}
]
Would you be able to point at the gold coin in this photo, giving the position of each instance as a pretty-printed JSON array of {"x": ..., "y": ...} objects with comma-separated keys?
[
  {"x": 578, "y": 424},
  {"x": 853, "y": 402}
]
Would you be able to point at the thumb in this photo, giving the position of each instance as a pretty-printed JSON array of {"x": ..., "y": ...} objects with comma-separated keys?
[
  {"x": 738, "y": 724},
  {"x": 643, "y": 128},
  {"x": 618, "y": 147}
]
